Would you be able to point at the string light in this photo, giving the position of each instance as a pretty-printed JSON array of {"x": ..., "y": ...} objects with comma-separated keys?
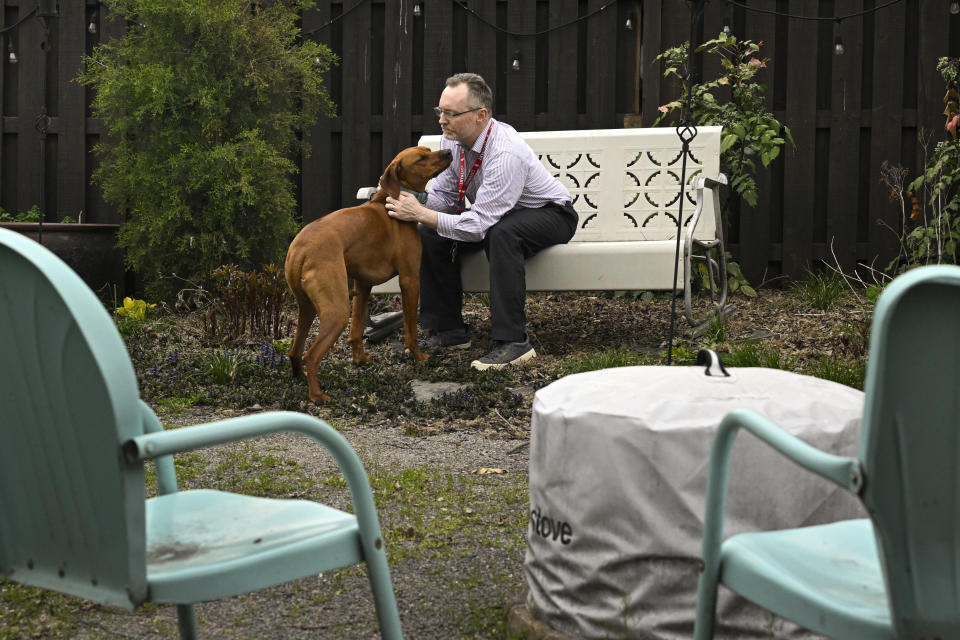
[
  {"x": 955, "y": 7},
  {"x": 12, "y": 55},
  {"x": 628, "y": 25},
  {"x": 417, "y": 11},
  {"x": 462, "y": 4},
  {"x": 838, "y": 47},
  {"x": 92, "y": 27},
  {"x": 515, "y": 65},
  {"x": 726, "y": 26}
]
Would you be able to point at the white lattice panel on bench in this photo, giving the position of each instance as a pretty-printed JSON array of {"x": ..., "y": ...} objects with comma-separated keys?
[
  {"x": 626, "y": 188},
  {"x": 625, "y": 183}
]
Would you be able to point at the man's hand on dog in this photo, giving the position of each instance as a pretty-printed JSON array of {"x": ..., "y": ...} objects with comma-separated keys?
[{"x": 409, "y": 209}]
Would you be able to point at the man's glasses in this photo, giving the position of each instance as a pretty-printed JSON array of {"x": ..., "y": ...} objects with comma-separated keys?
[{"x": 450, "y": 114}]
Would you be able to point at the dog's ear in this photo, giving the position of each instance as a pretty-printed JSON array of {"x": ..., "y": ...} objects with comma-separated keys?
[{"x": 390, "y": 180}]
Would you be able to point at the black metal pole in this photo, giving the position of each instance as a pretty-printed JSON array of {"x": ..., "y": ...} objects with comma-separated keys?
[{"x": 686, "y": 131}]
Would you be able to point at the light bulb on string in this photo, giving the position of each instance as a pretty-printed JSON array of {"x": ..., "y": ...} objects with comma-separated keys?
[
  {"x": 11, "y": 55},
  {"x": 954, "y": 7}
]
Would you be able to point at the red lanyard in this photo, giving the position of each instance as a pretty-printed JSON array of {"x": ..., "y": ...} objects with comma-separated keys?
[{"x": 461, "y": 183}]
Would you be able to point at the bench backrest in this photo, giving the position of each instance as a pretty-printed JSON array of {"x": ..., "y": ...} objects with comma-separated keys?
[{"x": 626, "y": 182}]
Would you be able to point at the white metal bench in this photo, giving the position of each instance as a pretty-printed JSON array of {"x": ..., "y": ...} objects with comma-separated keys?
[{"x": 625, "y": 185}]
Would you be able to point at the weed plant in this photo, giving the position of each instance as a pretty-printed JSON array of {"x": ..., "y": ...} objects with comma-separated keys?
[
  {"x": 753, "y": 355},
  {"x": 605, "y": 359},
  {"x": 822, "y": 290},
  {"x": 837, "y": 369}
]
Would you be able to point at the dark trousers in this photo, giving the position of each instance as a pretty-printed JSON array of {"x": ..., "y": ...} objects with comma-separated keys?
[{"x": 520, "y": 234}]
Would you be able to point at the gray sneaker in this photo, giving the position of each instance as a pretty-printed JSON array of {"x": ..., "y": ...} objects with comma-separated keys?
[
  {"x": 452, "y": 339},
  {"x": 505, "y": 353}
]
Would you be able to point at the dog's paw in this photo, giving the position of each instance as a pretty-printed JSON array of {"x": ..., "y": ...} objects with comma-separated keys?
[
  {"x": 319, "y": 399},
  {"x": 418, "y": 355}
]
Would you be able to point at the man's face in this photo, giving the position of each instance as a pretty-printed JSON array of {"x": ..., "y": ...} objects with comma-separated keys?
[{"x": 463, "y": 128}]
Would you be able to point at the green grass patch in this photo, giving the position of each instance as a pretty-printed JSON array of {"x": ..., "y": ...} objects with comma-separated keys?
[
  {"x": 179, "y": 404},
  {"x": 436, "y": 513},
  {"x": 264, "y": 475},
  {"x": 30, "y": 612},
  {"x": 753, "y": 355},
  {"x": 837, "y": 369},
  {"x": 606, "y": 359}
]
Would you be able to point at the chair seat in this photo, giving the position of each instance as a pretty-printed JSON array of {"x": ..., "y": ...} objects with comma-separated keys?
[
  {"x": 826, "y": 578},
  {"x": 206, "y": 545}
]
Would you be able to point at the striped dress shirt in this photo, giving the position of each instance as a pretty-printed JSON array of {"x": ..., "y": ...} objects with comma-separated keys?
[{"x": 510, "y": 177}]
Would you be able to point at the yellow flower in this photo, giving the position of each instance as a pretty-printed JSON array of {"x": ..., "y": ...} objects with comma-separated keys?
[{"x": 133, "y": 308}]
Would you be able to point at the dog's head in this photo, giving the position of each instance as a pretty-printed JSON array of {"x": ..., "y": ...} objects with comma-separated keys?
[{"x": 413, "y": 168}]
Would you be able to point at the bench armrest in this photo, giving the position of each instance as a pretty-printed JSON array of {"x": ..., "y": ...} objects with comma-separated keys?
[{"x": 366, "y": 193}]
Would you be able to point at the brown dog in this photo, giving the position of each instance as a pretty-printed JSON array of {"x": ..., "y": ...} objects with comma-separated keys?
[{"x": 367, "y": 245}]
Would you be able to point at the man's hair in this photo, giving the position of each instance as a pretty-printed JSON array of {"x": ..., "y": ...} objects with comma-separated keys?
[{"x": 479, "y": 90}]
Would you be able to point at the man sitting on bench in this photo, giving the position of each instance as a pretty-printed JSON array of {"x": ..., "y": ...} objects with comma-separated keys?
[{"x": 518, "y": 210}]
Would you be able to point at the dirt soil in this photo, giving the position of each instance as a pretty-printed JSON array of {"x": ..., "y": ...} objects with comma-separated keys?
[{"x": 451, "y": 491}]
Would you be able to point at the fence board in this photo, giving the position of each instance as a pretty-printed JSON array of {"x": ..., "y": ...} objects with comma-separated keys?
[
  {"x": 886, "y": 120},
  {"x": 31, "y": 98},
  {"x": 651, "y": 72},
  {"x": 482, "y": 44},
  {"x": 316, "y": 168},
  {"x": 934, "y": 40},
  {"x": 562, "y": 73},
  {"x": 521, "y": 84},
  {"x": 71, "y": 132},
  {"x": 627, "y": 84},
  {"x": 437, "y": 64},
  {"x": 601, "y": 93},
  {"x": 799, "y": 165},
  {"x": 754, "y": 227},
  {"x": 845, "y": 140},
  {"x": 398, "y": 78},
  {"x": 357, "y": 118},
  {"x": 6, "y": 91}
]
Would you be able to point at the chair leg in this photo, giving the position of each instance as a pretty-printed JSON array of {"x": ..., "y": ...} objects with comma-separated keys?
[
  {"x": 706, "y": 604},
  {"x": 383, "y": 597},
  {"x": 187, "y": 622}
]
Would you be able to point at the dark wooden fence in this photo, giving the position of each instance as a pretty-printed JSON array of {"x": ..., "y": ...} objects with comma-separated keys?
[{"x": 848, "y": 113}]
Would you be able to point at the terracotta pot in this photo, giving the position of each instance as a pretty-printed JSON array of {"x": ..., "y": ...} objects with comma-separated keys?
[{"x": 89, "y": 249}]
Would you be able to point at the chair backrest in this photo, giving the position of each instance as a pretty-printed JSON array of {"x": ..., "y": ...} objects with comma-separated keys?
[
  {"x": 910, "y": 448},
  {"x": 71, "y": 510},
  {"x": 625, "y": 183}
]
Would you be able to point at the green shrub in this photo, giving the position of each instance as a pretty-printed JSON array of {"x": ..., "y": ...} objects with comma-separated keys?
[
  {"x": 203, "y": 101},
  {"x": 32, "y": 215},
  {"x": 733, "y": 100}
]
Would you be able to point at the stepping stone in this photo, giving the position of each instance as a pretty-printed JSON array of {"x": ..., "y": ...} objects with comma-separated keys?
[{"x": 427, "y": 391}]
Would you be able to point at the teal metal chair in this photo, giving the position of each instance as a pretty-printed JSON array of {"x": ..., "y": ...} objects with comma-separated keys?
[
  {"x": 896, "y": 574},
  {"x": 74, "y": 435}
]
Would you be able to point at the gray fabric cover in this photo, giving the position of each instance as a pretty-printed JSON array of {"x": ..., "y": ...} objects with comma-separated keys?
[{"x": 618, "y": 472}]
